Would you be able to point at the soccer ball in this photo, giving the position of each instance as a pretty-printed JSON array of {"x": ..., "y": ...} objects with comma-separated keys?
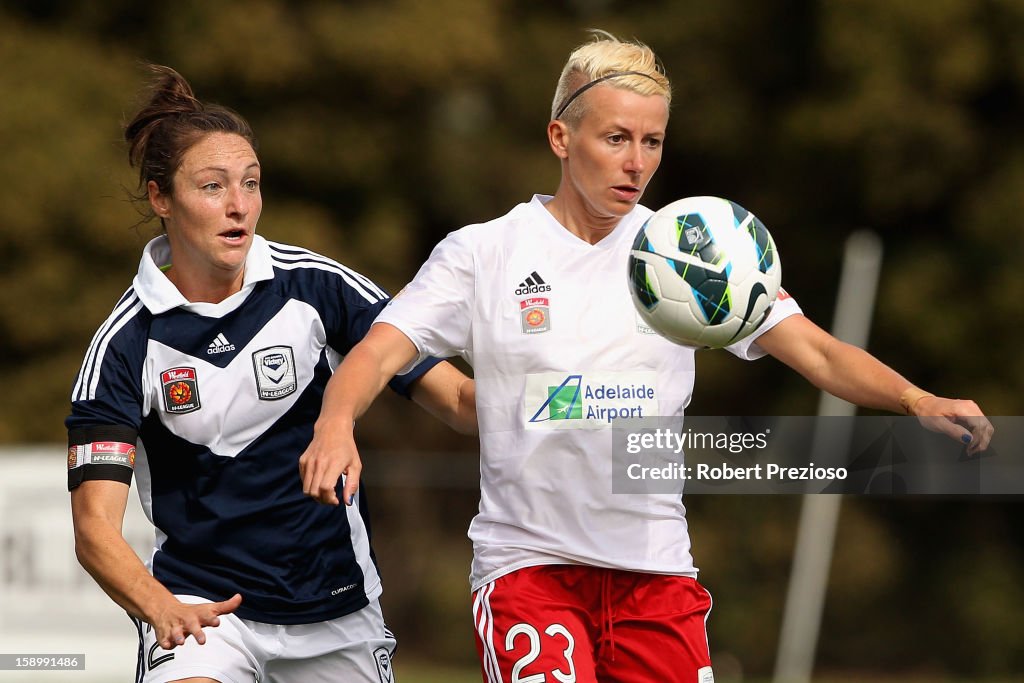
[{"x": 704, "y": 272}]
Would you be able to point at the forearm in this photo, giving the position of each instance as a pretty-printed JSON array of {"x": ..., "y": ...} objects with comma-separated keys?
[
  {"x": 107, "y": 557},
  {"x": 352, "y": 389},
  {"x": 361, "y": 376},
  {"x": 834, "y": 366},
  {"x": 448, "y": 395},
  {"x": 104, "y": 553},
  {"x": 357, "y": 381},
  {"x": 856, "y": 376}
]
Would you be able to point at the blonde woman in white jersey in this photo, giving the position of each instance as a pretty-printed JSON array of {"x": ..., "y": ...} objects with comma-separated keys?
[{"x": 570, "y": 582}]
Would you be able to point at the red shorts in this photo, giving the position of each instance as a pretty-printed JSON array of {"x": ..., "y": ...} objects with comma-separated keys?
[{"x": 579, "y": 624}]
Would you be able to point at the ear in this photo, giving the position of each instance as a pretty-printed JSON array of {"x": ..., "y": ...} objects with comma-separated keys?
[
  {"x": 558, "y": 138},
  {"x": 160, "y": 202}
]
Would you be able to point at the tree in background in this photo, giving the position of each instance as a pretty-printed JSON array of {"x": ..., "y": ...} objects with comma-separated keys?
[{"x": 384, "y": 125}]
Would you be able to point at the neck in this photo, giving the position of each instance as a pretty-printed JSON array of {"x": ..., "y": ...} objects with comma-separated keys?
[
  {"x": 204, "y": 290},
  {"x": 574, "y": 217}
]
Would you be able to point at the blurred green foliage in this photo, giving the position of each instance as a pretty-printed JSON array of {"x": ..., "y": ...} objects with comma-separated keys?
[{"x": 386, "y": 124}]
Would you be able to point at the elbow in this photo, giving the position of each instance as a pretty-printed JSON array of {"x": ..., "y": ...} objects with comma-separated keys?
[
  {"x": 87, "y": 545},
  {"x": 467, "y": 427},
  {"x": 83, "y": 551},
  {"x": 83, "y": 546},
  {"x": 450, "y": 399},
  {"x": 84, "y": 557},
  {"x": 467, "y": 417},
  {"x": 462, "y": 419}
]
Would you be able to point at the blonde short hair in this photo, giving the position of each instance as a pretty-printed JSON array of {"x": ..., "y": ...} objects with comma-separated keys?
[{"x": 628, "y": 65}]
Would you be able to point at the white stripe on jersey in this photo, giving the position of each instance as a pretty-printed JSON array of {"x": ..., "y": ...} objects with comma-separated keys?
[
  {"x": 307, "y": 259},
  {"x": 91, "y": 350},
  {"x": 484, "y": 621},
  {"x": 285, "y": 265},
  {"x": 365, "y": 280},
  {"x": 360, "y": 541},
  {"x": 291, "y": 251},
  {"x": 89, "y": 374},
  {"x": 370, "y": 284}
]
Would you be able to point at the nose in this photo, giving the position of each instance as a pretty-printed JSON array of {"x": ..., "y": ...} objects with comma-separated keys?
[
  {"x": 238, "y": 203},
  {"x": 634, "y": 162}
]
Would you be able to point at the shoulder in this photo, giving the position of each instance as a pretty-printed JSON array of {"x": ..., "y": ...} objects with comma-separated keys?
[
  {"x": 127, "y": 322},
  {"x": 300, "y": 267},
  {"x": 291, "y": 257},
  {"x": 495, "y": 232},
  {"x": 122, "y": 338}
]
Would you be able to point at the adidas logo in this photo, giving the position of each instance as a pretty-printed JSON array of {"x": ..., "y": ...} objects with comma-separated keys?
[
  {"x": 534, "y": 284},
  {"x": 219, "y": 345}
]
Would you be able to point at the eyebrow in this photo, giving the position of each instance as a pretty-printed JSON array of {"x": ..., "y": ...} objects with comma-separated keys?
[
  {"x": 615, "y": 126},
  {"x": 223, "y": 169}
]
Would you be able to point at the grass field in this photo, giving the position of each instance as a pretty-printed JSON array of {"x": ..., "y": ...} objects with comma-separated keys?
[{"x": 412, "y": 672}]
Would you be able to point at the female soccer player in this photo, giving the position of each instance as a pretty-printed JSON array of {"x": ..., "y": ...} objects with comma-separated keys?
[
  {"x": 572, "y": 583},
  {"x": 217, "y": 358}
]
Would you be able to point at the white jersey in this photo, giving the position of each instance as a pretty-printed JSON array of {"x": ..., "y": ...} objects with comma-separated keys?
[{"x": 557, "y": 350}]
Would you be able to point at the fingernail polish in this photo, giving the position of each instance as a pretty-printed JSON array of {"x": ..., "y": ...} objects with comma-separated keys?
[
  {"x": 352, "y": 499},
  {"x": 966, "y": 438}
]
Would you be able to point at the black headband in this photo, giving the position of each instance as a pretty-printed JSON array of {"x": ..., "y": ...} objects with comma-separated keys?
[{"x": 588, "y": 86}]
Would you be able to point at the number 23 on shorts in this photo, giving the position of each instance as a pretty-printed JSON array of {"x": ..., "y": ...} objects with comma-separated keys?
[{"x": 528, "y": 654}]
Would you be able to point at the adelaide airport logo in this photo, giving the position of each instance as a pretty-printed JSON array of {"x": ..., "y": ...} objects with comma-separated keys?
[
  {"x": 563, "y": 402},
  {"x": 587, "y": 401}
]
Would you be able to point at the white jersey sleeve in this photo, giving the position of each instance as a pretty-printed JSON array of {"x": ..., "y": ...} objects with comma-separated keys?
[
  {"x": 747, "y": 348},
  {"x": 435, "y": 310}
]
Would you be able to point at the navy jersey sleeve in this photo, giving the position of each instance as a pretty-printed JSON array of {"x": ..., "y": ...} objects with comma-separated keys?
[
  {"x": 106, "y": 401},
  {"x": 350, "y": 303},
  {"x": 361, "y": 319}
]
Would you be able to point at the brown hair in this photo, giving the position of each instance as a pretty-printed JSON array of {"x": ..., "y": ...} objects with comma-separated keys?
[{"x": 170, "y": 123}]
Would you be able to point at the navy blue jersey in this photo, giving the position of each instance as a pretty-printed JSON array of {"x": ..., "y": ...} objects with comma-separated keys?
[{"x": 223, "y": 398}]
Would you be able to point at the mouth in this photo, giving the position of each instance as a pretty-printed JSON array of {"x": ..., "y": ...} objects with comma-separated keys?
[
  {"x": 626, "y": 192},
  {"x": 235, "y": 235}
]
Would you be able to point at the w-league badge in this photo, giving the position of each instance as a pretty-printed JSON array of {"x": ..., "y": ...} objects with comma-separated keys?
[
  {"x": 275, "y": 372},
  {"x": 180, "y": 390},
  {"x": 535, "y": 315}
]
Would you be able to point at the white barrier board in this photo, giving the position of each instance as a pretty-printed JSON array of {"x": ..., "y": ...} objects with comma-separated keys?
[{"x": 49, "y": 605}]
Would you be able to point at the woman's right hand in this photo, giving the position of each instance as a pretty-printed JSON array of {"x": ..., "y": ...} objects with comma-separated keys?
[{"x": 175, "y": 621}]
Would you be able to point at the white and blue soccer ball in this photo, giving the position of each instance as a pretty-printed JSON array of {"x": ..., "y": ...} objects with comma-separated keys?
[{"x": 704, "y": 272}]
